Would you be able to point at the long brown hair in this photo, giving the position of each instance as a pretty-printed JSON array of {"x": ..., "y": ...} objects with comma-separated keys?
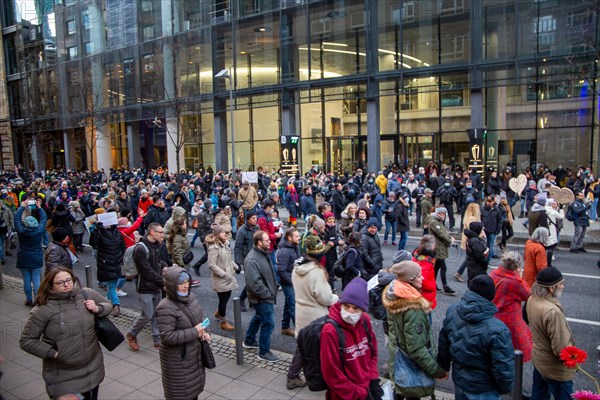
[{"x": 46, "y": 285}]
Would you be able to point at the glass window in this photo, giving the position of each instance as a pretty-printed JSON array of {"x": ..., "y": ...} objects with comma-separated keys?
[
  {"x": 89, "y": 48},
  {"x": 72, "y": 52},
  {"x": 71, "y": 27},
  {"x": 85, "y": 19}
]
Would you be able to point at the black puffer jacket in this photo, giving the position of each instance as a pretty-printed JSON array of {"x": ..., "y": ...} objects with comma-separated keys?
[
  {"x": 110, "y": 247},
  {"x": 477, "y": 251},
  {"x": 370, "y": 248},
  {"x": 491, "y": 218},
  {"x": 286, "y": 255},
  {"x": 156, "y": 214},
  {"x": 183, "y": 374},
  {"x": 243, "y": 243}
]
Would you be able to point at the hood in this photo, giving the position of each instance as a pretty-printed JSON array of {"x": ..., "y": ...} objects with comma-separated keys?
[
  {"x": 66, "y": 296},
  {"x": 395, "y": 302},
  {"x": 170, "y": 277},
  {"x": 536, "y": 207},
  {"x": 473, "y": 308},
  {"x": 289, "y": 245},
  {"x": 346, "y": 215},
  {"x": 211, "y": 238},
  {"x": 178, "y": 212},
  {"x": 303, "y": 266},
  {"x": 469, "y": 233},
  {"x": 385, "y": 278},
  {"x": 261, "y": 213}
]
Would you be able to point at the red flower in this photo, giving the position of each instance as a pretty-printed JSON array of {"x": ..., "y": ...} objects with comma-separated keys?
[
  {"x": 572, "y": 356},
  {"x": 585, "y": 395}
]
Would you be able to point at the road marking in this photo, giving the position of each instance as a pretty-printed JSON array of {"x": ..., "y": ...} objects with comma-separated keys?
[
  {"x": 583, "y": 321},
  {"x": 568, "y": 274}
]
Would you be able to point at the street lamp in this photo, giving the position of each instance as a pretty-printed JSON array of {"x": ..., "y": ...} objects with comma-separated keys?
[{"x": 225, "y": 74}]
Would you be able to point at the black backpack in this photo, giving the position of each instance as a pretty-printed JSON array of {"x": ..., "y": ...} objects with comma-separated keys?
[
  {"x": 3, "y": 226},
  {"x": 339, "y": 268},
  {"x": 309, "y": 347}
]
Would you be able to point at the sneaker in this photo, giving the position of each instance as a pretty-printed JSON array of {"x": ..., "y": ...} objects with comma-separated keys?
[
  {"x": 116, "y": 311},
  {"x": 132, "y": 342},
  {"x": 196, "y": 269},
  {"x": 250, "y": 345},
  {"x": 268, "y": 357},
  {"x": 582, "y": 250},
  {"x": 29, "y": 303},
  {"x": 393, "y": 243},
  {"x": 288, "y": 332},
  {"x": 458, "y": 277},
  {"x": 156, "y": 345},
  {"x": 437, "y": 288},
  {"x": 243, "y": 306},
  {"x": 385, "y": 242},
  {"x": 294, "y": 383},
  {"x": 574, "y": 251},
  {"x": 195, "y": 283},
  {"x": 448, "y": 291},
  {"x": 121, "y": 293}
]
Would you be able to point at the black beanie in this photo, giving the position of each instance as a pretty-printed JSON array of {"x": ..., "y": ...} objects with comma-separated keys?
[
  {"x": 549, "y": 277},
  {"x": 484, "y": 286},
  {"x": 59, "y": 235},
  {"x": 476, "y": 227}
]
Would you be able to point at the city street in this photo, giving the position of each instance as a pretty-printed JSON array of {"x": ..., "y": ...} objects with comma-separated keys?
[{"x": 580, "y": 300}]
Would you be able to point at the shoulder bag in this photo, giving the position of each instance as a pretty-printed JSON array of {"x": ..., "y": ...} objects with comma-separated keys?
[
  {"x": 108, "y": 334},
  {"x": 410, "y": 377},
  {"x": 206, "y": 354}
]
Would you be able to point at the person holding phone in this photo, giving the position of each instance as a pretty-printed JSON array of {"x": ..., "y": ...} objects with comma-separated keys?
[{"x": 181, "y": 329}]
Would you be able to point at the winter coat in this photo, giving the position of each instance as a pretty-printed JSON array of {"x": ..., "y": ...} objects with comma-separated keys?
[
  {"x": 260, "y": 277},
  {"x": 265, "y": 223},
  {"x": 551, "y": 334},
  {"x": 178, "y": 249},
  {"x": 183, "y": 375},
  {"x": 337, "y": 203},
  {"x": 441, "y": 235},
  {"x": 156, "y": 214},
  {"x": 243, "y": 242},
  {"x": 249, "y": 197},
  {"x": 63, "y": 219},
  {"x": 78, "y": 226},
  {"x": 537, "y": 217},
  {"x": 8, "y": 216},
  {"x": 511, "y": 291},
  {"x": 224, "y": 220},
  {"x": 403, "y": 221},
  {"x": 312, "y": 291},
  {"x": 145, "y": 203},
  {"x": 535, "y": 260},
  {"x": 477, "y": 255},
  {"x": 178, "y": 212},
  {"x": 381, "y": 181},
  {"x": 287, "y": 254},
  {"x": 65, "y": 327},
  {"x": 58, "y": 254},
  {"x": 110, "y": 248},
  {"x": 205, "y": 220},
  {"x": 477, "y": 345},
  {"x": 370, "y": 249},
  {"x": 148, "y": 262},
  {"x": 345, "y": 222},
  {"x": 429, "y": 287},
  {"x": 30, "y": 254},
  {"x": 390, "y": 210},
  {"x": 221, "y": 265},
  {"x": 360, "y": 225},
  {"x": 290, "y": 199},
  {"x": 350, "y": 381},
  {"x": 554, "y": 217},
  {"x": 409, "y": 329},
  {"x": 491, "y": 218},
  {"x": 580, "y": 209},
  {"x": 128, "y": 232},
  {"x": 307, "y": 205},
  {"x": 466, "y": 222}
]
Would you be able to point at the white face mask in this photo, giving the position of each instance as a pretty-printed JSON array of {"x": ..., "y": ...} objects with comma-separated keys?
[{"x": 350, "y": 318}]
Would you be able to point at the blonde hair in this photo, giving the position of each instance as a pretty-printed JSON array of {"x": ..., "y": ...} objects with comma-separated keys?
[
  {"x": 347, "y": 209},
  {"x": 472, "y": 211}
]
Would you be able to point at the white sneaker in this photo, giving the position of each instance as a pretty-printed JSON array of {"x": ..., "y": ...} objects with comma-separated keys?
[{"x": 121, "y": 293}]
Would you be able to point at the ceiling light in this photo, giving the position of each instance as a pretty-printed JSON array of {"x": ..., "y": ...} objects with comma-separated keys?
[
  {"x": 242, "y": 52},
  {"x": 261, "y": 29},
  {"x": 335, "y": 44}
]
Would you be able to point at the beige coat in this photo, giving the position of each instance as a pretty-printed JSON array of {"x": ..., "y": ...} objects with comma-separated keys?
[
  {"x": 466, "y": 222},
  {"x": 249, "y": 197},
  {"x": 551, "y": 334},
  {"x": 221, "y": 265},
  {"x": 313, "y": 293},
  {"x": 224, "y": 219}
]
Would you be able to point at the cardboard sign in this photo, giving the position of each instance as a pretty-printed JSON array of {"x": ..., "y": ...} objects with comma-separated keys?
[
  {"x": 250, "y": 177},
  {"x": 108, "y": 219},
  {"x": 562, "y": 196},
  {"x": 518, "y": 184}
]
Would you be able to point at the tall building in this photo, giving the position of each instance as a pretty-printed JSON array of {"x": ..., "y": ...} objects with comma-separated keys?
[{"x": 334, "y": 84}]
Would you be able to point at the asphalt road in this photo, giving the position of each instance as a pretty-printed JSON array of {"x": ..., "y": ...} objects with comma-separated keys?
[{"x": 580, "y": 299}]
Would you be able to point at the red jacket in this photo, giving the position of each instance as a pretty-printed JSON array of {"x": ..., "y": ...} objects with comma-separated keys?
[
  {"x": 265, "y": 224},
  {"x": 535, "y": 260},
  {"x": 350, "y": 381},
  {"x": 511, "y": 290},
  {"x": 127, "y": 232},
  {"x": 144, "y": 205},
  {"x": 429, "y": 288}
]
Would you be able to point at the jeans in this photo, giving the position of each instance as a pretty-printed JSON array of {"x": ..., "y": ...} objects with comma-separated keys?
[
  {"x": 578, "y": 235},
  {"x": 31, "y": 277},
  {"x": 289, "y": 308},
  {"x": 274, "y": 261},
  {"x": 403, "y": 240},
  {"x": 233, "y": 224},
  {"x": 264, "y": 319},
  {"x": 542, "y": 387},
  {"x": 418, "y": 215},
  {"x": 459, "y": 394},
  {"x": 194, "y": 238},
  {"x": 2, "y": 247},
  {"x": 491, "y": 242},
  {"x": 462, "y": 267},
  {"x": 149, "y": 302},
  {"x": 594, "y": 210},
  {"x": 388, "y": 225},
  {"x": 111, "y": 292},
  {"x": 550, "y": 254}
]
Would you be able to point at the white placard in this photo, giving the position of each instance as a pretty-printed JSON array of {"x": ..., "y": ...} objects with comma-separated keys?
[
  {"x": 250, "y": 177},
  {"x": 108, "y": 219}
]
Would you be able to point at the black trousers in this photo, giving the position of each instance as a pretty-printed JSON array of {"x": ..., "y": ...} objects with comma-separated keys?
[
  {"x": 440, "y": 265},
  {"x": 450, "y": 208},
  {"x": 223, "y": 299}
]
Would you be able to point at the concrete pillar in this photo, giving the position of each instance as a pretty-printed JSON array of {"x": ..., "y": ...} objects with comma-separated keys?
[
  {"x": 133, "y": 147},
  {"x": 103, "y": 149},
  {"x": 37, "y": 154},
  {"x": 221, "y": 147},
  {"x": 373, "y": 136},
  {"x": 69, "y": 147}
]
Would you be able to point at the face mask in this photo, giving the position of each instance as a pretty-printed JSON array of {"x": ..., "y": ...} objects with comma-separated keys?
[
  {"x": 447, "y": 184},
  {"x": 404, "y": 185},
  {"x": 370, "y": 180},
  {"x": 469, "y": 186},
  {"x": 350, "y": 318},
  {"x": 182, "y": 294}
]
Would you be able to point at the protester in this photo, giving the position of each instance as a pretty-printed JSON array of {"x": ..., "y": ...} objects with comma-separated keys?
[
  {"x": 287, "y": 255},
  {"x": 443, "y": 240},
  {"x": 243, "y": 245},
  {"x": 535, "y": 255}
]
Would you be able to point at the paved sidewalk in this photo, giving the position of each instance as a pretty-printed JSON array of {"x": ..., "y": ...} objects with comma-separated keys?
[{"x": 137, "y": 375}]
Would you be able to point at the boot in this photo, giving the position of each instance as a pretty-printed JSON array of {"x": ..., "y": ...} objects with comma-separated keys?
[
  {"x": 217, "y": 316},
  {"x": 116, "y": 311},
  {"x": 243, "y": 306},
  {"x": 226, "y": 326}
]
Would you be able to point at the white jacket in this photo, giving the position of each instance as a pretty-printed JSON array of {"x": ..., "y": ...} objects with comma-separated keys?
[{"x": 553, "y": 217}]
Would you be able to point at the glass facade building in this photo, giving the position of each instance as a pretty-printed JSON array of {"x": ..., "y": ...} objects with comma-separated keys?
[{"x": 360, "y": 82}]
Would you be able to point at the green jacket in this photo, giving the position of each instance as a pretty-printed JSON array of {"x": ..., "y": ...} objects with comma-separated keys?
[
  {"x": 409, "y": 327},
  {"x": 442, "y": 237},
  {"x": 426, "y": 209}
]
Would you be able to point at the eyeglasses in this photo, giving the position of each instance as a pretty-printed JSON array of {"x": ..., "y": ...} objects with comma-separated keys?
[
  {"x": 161, "y": 232},
  {"x": 66, "y": 282}
]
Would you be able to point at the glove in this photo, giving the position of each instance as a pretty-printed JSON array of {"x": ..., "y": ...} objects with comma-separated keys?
[{"x": 375, "y": 390}]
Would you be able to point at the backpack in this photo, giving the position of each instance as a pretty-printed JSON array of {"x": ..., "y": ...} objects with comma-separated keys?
[
  {"x": 3, "y": 226},
  {"x": 376, "y": 308},
  {"x": 309, "y": 347},
  {"x": 470, "y": 198},
  {"x": 128, "y": 269},
  {"x": 570, "y": 215},
  {"x": 339, "y": 267}
]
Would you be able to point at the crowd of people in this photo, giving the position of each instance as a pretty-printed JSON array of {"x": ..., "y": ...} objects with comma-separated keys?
[{"x": 237, "y": 223}]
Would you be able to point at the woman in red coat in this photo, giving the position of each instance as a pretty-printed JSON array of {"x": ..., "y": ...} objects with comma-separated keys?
[
  {"x": 511, "y": 291},
  {"x": 424, "y": 255}
]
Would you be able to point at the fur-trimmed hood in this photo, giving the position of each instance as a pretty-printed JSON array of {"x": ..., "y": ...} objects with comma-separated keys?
[{"x": 397, "y": 305}]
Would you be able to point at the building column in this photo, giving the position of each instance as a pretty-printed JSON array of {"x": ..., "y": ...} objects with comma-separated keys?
[
  {"x": 103, "y": 149},
  {"x": 221, "y": 153},
  {"x": 37, "y": 154},
  {"x": 69, "y": 148},
  {"x": 373, "y": 115},
  {"x": 133, "y": 148}
]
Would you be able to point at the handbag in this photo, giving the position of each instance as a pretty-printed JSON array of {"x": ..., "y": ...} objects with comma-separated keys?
[
  {"x": 188, "y": 257},
  {"x": 108, "y": 334},
  {"x": 410, "y": 377},
  {"x": 195, "y": 223},
  {"x": 208, "y": 358}
]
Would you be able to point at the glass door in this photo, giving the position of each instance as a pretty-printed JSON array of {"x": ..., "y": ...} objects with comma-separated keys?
[
  {"x": 341, "y": 151},
  {"x": 418, "y": 149}
]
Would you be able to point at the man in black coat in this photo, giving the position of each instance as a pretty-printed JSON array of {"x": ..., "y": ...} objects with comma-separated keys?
[
  {"x": 491, "y": 218},
  {"x": 337, "y": 201},
  {"x": 243, "y": 245},
  {"x": 287, "y": 254}
]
